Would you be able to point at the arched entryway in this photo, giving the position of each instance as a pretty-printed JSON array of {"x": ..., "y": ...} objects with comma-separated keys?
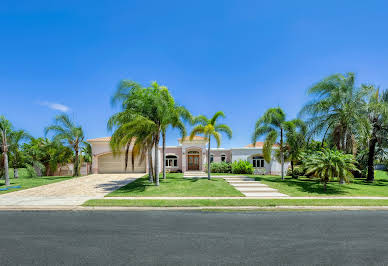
[{"x": 193, "y": 160}]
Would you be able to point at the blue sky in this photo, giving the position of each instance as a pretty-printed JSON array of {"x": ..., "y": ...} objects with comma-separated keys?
[{"x": 240, "y": 57}]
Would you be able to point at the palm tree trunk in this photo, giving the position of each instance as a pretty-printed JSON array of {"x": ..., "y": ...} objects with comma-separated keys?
[
  {"x": 76, "y": 173},
  {"x": 15, "y": 172},
  {"x": 208, "y": 161},
  {"x": 164, "y": 154},
  {"x": 371, "y": 158},
  {"x": 157, "y": 160},
  {"x": 150, "y": 170},
  {"x": 6, "y": 168},
  {"x": 281, "y": 152}
]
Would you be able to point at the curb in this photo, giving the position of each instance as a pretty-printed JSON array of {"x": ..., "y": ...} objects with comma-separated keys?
[{"x": 106, "y": 208}]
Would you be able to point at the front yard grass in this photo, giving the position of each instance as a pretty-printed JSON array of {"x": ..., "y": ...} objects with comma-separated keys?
[
  {"x": 306, "y": 187},
  {"x": 309, "y": 187},
  {"x": 177, "y": 186},
  {"x": 29, "y": 182},
  {"x": 232, "y": 202}
]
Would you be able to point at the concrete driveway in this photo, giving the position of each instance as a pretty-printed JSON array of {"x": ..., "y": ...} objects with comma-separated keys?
[{"x": 70, "y": 192}]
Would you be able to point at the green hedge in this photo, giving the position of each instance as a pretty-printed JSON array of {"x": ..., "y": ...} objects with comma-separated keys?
[
  {"x": 221, "y": 167},
  {"x": 242, "y": 167}
]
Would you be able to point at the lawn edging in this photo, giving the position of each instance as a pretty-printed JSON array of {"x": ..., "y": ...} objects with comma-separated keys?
[{"x": 232, "y": 202}]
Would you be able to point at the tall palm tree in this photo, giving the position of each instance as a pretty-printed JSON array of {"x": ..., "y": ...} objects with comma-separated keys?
[
  {"x": 295, "y": 140},
  {"x": 210, "y": 128},
  {"x": 174, "y": 118},
  {"x": 5, "y": 130},
  {"x": 16, "y": 155},
  {"x": 272, "y": 124},
  {"x": 64, "y": 129},
  {"x": 337, "y": 110},
  {"x": 378, "y": 118},
  {"x": 141, "y": 120}
]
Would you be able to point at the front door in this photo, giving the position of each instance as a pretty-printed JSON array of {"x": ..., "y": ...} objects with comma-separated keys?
[{"x": 193, "y": 162}]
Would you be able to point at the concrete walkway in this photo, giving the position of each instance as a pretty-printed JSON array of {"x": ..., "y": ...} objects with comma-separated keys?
[
  {"x": 70, "y": 192},
  {"x": 251, "y": 188}
]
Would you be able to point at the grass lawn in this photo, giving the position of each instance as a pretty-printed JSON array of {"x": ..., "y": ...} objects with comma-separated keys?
[
  {"x": 177, "y": 186},
  {"x": 233, "y": 202},
  {"x": 306, "y": 187},
  {"x": 28, "y": 182}
]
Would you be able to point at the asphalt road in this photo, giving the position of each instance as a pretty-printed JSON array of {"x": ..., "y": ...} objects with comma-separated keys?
[{"x": 201, "y": 238}]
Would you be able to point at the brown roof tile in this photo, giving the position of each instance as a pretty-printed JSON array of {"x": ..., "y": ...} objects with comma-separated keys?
[{"x": 259, "y": 144}]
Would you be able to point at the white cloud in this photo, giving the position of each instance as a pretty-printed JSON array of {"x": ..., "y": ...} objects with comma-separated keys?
[{"x": 56, "y": 106}]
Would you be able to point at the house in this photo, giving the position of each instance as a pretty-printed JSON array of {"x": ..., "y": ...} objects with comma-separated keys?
[{"x": 188, "y": 155}]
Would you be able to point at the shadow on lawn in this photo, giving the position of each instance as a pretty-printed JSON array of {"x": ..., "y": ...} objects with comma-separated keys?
[{"x": 309, "y": 185}]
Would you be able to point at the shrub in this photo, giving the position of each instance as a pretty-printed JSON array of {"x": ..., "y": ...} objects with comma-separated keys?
[
  {"x": 298, "y": 171},
  {"x": 242, "y": 167},
  {"x": 221, "y": 167}
]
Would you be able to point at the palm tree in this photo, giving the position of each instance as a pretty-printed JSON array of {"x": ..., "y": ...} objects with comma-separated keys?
[
  {"x": 87, "y": 155},
  {"x": 328, "y": 164},
  {"x": 5, "y": 130},
  {"x": 16, "y": 155},
  {"x": 173, "y": 118},
  {"x": 141, "y": 121},
  {"x": 378, "y": 118},
  {"x": 296, "y": 141},
  {"x": 337, "y": 110},
  {"x": 66, "y": 130},
  {"x": 210, "y": 128},
  {"x": 272, "y": 124}
]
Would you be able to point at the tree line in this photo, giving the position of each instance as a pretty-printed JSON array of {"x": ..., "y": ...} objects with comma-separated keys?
[{"x": 342, "y": 131}]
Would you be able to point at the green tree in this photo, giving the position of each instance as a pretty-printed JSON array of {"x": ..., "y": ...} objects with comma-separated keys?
[
  {"x": 295, "y": 141},
  {"x": 17, "y": 157},
  {"x": 43, "y": 155},
  {"x": 337, "y": 110},
  {"x": 5, "y": 131},
  {"x": 378, "y": 130},
  {"x": 64, "y": 129},
  {"x": 86, "y": 156},
  {"x": 210, "y": 128},
  {"x": 174, "y": 117},
  {"x": 329, "y": 164},
  {"x": 141, "y": 120},
  {"x": 272, "y": 124}
]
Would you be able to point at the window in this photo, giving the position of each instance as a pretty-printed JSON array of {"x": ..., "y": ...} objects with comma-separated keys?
[
  {"x": 211, "y": 158},
  {"x": 193, "y": 152},
  {"x": 258, "y": 162},
  {"x": 223, "y": 158},
  {"x": 171, "y": 161}
]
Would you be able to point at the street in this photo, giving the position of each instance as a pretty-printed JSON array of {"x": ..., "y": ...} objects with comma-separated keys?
[{"x": 193, "y": 237}]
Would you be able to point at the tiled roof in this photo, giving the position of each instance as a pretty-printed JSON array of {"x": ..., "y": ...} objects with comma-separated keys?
[
  {"x": 259, "y": 144},
  {"x": 195, "y": 138},
  {"x": 104, "y": 139}
]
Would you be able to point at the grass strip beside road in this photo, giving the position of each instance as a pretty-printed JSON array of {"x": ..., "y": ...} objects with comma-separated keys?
[{"x": 233, "y": 202}]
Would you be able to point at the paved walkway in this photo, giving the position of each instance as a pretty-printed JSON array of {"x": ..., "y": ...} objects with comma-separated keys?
[
  {"x": 251, "y": 188},
  {"x": 70, "y": 192}
]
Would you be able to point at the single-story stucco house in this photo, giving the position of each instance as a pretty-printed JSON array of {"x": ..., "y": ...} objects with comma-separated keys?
[{"x": 188, "y": 155}]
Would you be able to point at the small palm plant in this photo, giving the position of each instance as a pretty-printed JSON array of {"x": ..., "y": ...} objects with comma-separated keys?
[
  {"x": 210, "y": 128},
  {"x": 65, "y": 130},
  {"x": 330, "y": 164}
]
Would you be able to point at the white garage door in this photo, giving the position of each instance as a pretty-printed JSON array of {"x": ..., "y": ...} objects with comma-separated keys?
[{"x": 116, "y": 164}]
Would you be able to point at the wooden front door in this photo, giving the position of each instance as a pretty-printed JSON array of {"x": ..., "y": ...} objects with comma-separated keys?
[{"x": 193, "y": 162}]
